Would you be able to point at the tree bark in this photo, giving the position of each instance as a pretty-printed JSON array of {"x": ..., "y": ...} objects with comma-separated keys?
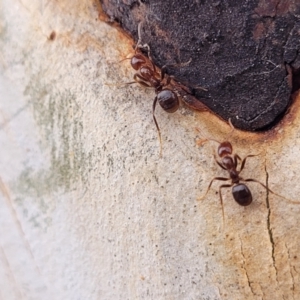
[{"x": 88, "y": 208}]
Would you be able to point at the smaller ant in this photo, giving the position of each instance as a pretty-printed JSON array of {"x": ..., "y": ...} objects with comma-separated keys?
[
  {"x": 229, "y": 162},
  {"x": 166, "y": 90},
  {"x": 52, "y": 36}
]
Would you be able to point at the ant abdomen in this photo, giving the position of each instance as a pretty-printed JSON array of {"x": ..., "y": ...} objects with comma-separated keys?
[
  {"x": 168, "y": 100},
  {"x": 241, "y": 194}
]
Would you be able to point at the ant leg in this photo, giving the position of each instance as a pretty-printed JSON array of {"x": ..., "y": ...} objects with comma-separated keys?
[
  {"x": 125, "y": 83},
  {"x": 163, "y": 72},
  {"x": 163, "y": 69},
  {"x": 221, "y": 199},
  {"x": 139, "y": 79},
  {"x": 163, "y": 75},
  {"x": 156, "y": 124},
  {"x": 180, "y": 64},
  {"x": 244, "y": 160},
  {"x": 219, "y": 163},
  {"x": 236, "y": 158},
  {"x": 269, "y": 190},
  {"x": 211, "y": 182}
]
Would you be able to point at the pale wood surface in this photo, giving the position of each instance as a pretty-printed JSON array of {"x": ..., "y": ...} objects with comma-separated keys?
[{"x": 88, "y": 210}]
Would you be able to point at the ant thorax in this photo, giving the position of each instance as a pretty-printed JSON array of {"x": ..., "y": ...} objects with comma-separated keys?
[{"x": 228, "y": 162}]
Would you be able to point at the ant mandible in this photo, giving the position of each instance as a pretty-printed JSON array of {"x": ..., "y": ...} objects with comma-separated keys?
[
  {"x": 147, "y": 75},
  {"x": 229, "y": 162}
]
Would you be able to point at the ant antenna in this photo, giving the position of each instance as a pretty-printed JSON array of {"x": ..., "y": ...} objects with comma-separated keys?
[
  {"x": 138, "y": 44},
  {"x": 179, "y": 65},
  {"x": 272, "y": 192},
  {"x": 205, "y": 137},
  {"x": 124, "y": 59},
  {"x": 229, "y": 134},
  {"x": 200, "y": 88}
]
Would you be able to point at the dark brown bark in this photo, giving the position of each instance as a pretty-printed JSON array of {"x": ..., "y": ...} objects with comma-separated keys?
[{"x": 246, "y": 53}]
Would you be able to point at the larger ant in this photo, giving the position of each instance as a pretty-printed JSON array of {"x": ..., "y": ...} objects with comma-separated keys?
[
  {"x": 165, "y": 88},
  {"x": 229, "y": 162}
]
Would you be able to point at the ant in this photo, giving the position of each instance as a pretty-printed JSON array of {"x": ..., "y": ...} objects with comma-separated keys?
[
  {"x": 52, "y": 36},
  {"x": 166, "y": 90},
  {"x": 229, "y": 162}
]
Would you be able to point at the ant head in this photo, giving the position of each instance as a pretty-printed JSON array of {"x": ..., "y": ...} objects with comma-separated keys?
[
  {"x": 137, "y": 61},
  {"x": 225, "y": 148}
]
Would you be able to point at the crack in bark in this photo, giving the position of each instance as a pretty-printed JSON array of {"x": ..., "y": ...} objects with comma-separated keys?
[
  {"x": 290, "y": 267},
  {"x": 11, "y": 275},
  {"x": 286, "y": 42},
  {"x": 262, "y": 291},
  {"x": 9, "y": 203},
  {"x": 270, "y": 231},
  {"x": 6, "y": 122},
  {"x": 270, "y": 106},
  {"x": 245, "y": 269},
  {"x": 276, "y": 7}
]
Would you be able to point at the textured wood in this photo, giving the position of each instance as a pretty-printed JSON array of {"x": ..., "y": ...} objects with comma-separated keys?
[{"x": 88, "y": 210}]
